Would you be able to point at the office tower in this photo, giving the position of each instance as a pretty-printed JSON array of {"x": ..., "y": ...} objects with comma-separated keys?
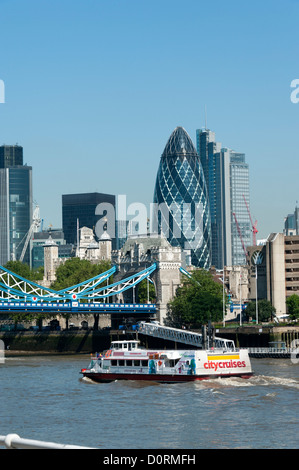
[
  {"x": 15, "y": 204},
  {"x": 215, "y": 164},
  {"x": 181, "y": 200},
  {"x": 239, "y": 193},
  {"x": 291, "y": 223},
  {"x": 92, "y": 210},
  {"x": 227, "y": 179},
  {"x": 11, "y": 155},
  {"x": 220, "y": 207}
]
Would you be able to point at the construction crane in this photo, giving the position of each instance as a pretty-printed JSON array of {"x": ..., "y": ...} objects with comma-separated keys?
[
  {"x": 253, "y": 225},
  {"x": 240, "y": 234},
  {"x": 36, "y": 222}
]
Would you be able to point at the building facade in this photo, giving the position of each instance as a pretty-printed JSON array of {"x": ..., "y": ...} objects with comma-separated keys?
[
  {"x": 276, "y": 277},
  {"x": 181, "y": 200},
  {"x": 38, "y": 241},
  {"x": 227, "y": 178},
  {"x": 291, "y": 223},
  {"x": 239, "y": 182},
  {"x": 93, "y": 210},
  {"x": 15, "y": 204}
]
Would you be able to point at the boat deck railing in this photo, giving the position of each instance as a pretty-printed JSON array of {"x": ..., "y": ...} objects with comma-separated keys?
[{"x": 182, "y": 336}]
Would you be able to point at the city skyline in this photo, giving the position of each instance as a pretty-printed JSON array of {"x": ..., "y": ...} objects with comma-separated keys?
[{"x": 94, "y": 83}]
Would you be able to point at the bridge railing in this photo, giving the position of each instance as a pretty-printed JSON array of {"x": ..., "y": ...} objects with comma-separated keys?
[
  {"x": 181, "y": 336},
  {"x": 14, "y": 441},
  {"x": 271, "y": 351}
]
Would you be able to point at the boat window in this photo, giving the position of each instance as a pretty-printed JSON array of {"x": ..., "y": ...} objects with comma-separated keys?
[
  {"x": 121, "y": 363},
  {"x": 129, "y": 363},
  {"x": 144, "y": 363},
  {"x": 133, "y": 345},
  {"x": 136, "y": 363},
  {"x": 125, "y": 345},
  {"x": 113, "y": 362}
]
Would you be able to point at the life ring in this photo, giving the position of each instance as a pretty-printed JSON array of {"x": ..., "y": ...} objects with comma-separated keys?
[
  {"x": 159, "y": 363},
  {"x": 108, "y": 353}
]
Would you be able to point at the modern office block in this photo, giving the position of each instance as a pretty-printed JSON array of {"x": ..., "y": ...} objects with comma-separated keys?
[
  {"x": 87, "y": 210},
  {"x": 227, "y": 179},
  {"x": 11, "y": 155},
  {"x": 15, "y": 212},
  {"x": 239, "y": 182},
  {"x": 181, "y": 200}
]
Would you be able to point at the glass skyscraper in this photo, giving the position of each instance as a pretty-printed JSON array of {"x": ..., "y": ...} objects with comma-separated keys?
[
  {"x": 227, "y": 178},
  {"x": 181, "y": 200},
  {"x": 83, "y": 208},
  {"x": 239, "y": 182},
  {"x": 15, "y": 204}
]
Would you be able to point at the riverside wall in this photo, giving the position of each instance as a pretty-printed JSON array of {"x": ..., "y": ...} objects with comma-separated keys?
[{"x": 89, "y": 341}]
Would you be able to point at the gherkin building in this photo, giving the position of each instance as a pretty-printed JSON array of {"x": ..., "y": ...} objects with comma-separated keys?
[{"x": 181, "y": 208}]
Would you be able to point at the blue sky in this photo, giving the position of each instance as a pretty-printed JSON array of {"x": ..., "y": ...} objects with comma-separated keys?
[{"x": 94, "y": 88}]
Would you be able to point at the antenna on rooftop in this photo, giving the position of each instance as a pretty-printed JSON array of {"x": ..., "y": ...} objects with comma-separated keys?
[{"x": 205, "y": 117}]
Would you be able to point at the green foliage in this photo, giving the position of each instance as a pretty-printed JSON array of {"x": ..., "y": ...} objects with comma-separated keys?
[
  {"x": 197, "y": 301},
  {"x": 76, "y": 270},
  {"x": 23, "y": 270},
  {"x": 265, "y": 310},
  {"x": 293, "y": 306},
  {"x": 142, "y": 292}
]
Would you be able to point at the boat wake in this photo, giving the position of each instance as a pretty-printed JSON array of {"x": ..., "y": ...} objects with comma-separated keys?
[{"x": 257, "y": 380}]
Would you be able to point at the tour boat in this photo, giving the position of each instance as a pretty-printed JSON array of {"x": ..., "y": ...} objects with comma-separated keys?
[{"x": 126, "y": 360}]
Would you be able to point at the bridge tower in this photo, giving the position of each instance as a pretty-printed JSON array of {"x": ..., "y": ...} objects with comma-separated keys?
[
  {"x": 140, "y": 252},
  {"x": 50, "y": 261}
]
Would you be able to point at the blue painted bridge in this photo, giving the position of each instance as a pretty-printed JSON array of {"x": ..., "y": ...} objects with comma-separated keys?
[{"x": 20, "y": 294}]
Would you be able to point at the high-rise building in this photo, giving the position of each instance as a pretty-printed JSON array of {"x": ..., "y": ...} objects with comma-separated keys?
[
  {"x": 11, "y": 155},
  {"x": 239, "y": 189},
  {"x": 15, "y": 204},
  {"x": 227, "y": 179},
  {"x": 181, "y": 200},
  {"x": 92, "y": 210},
  {"x": 220, "y": 207},
  {"x": 291, "y": 223}
]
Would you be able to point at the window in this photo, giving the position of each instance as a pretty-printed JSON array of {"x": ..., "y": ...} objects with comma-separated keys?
[
  {"x": 121, "y": 363},
  {"x": 113, "y": 362},
  {"x": 136, "y": 363},
  {"x": 129, "y": 363},
  {"x": 144, "y": 363}
]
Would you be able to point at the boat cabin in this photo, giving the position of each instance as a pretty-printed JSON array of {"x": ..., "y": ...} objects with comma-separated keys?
[{"x": 124, "y": 345}]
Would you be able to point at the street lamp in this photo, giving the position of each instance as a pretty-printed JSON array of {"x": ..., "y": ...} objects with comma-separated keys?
[{"x": 257, "y": 259}]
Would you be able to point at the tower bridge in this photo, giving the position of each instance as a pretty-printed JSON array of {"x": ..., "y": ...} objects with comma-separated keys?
[{"x": 141, "y": 258}]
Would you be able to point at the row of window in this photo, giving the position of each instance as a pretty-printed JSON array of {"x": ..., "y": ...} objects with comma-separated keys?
[
  {"x": 129, "y": 362},
  {"x": 141, "y": 363}
]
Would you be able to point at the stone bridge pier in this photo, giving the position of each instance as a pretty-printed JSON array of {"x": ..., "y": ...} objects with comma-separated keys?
[{"x": 139, "y": 253}]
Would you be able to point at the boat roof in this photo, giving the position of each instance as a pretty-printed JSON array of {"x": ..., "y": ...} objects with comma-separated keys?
[{"x": 125, "y": 341}]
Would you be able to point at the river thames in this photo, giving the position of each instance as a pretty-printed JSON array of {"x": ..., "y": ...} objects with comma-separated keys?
[{"x": 45, "y": 398}]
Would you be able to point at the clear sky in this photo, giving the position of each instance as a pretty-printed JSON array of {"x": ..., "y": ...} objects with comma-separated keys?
[{"x": 94, "y": 88}]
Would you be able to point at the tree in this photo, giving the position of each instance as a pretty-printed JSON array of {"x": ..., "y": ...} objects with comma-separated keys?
[
  {"x": 76, "y": 270},
  {"x": 293, "y": 306},
  {"x": 144, "y": 288},
  {"x": 265, "y": 310},
  {"x": 23, "y": 270},
  {"x": 197, "y": 301}
]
